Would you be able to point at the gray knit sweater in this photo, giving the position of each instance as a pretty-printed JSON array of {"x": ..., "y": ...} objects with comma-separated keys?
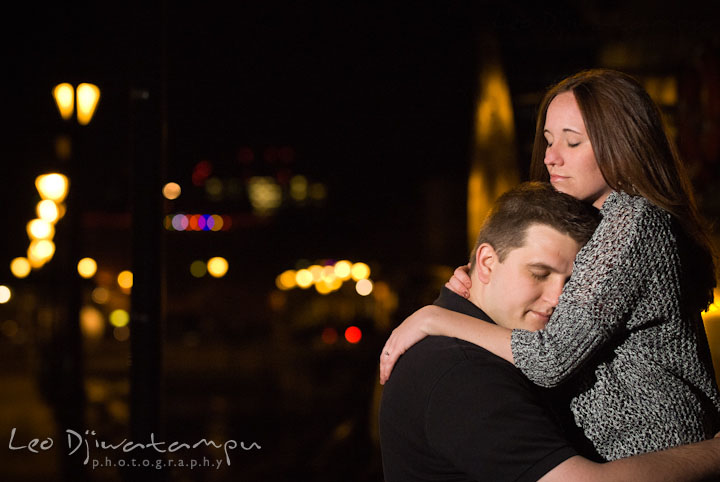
[{"x": 639, "y": 358}]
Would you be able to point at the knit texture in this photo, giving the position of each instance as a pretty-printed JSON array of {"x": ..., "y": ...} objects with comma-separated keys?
[{"x": 642, "y": 377}]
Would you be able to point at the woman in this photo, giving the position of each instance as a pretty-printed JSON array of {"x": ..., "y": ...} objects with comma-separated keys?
[{"x": 627, "y": 334}]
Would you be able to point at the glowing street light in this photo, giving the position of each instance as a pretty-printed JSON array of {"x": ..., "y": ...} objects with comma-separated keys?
[
  {"x": 85, "y": 102},
  {"x": 40, "y": 229},
  {"x": 53, "y": 187},
  {"x": 48, "y": 211},
  {"x": 64, "y": 95}
]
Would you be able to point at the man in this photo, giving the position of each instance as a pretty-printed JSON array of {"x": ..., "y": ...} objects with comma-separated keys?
[{"x": 454, "y": 411}]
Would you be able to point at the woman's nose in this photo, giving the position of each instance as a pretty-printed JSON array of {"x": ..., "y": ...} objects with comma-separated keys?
[{"x": 551, "y": 156}]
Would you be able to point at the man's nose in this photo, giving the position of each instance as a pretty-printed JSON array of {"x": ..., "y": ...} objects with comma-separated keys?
[{"x": 552, "y": 294}]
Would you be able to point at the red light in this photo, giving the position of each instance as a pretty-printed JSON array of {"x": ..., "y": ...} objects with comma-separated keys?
[
  {"x": 353, "y": 334},
  {"x": 202, "y": 171},
  {"x": 203, "y": 168},
  {"x": 245, "y": 155},
  {"x": 193, "y": 224},
  {"x": 329, "y": 335},
  {"x": 286, "y": 154}
]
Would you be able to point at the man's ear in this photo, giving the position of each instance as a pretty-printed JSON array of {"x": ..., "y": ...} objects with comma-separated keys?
[{"x": 485, "y": 259}]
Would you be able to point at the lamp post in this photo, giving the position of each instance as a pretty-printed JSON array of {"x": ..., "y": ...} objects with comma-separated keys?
[{"x": 70, "y": 394}]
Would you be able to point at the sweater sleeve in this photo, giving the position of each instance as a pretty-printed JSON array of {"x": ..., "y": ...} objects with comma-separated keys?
[{"x": 609, "y": 276}]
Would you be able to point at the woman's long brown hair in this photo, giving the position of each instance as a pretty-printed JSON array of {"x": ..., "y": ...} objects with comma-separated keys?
[{"x": 634, "y": 155}]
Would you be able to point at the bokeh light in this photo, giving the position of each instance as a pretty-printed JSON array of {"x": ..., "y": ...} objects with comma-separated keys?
[
  {"x": 121, "y": 333},
  {"x": 88, "y": 96},
  {"x": 342, "y": 269},
  {"x": 41, "y": 250},
  {"x": 125, "y": 280},
  {"x": 92, "y": 323},
  {"x": 64, "y": 95},
  {"x": 48, "y": 211},
  {"x": 20, "y": 267},
  {"x": 329, "y": 335},
  {"x": 5, "y": 294},
  {"x": 171, "y": 190},
  {"x": 316, "y": 271},
  {"x": 217, "y": 267},
  {"x": 40, "y": 229},
  {"x": 304, "y": 278},
  {"x": 119, "y": 317},
  {"x": 100, "y": 295},
  {"x": 180, "y": 222},
  {"x": 353, "y": 334},
  {"x": 298, "y": 188},
  {"x": 198, "y": 268},
  {"x": 360, "y": 271},
  {"x": 87, "y": 267},
  {"x": 364, "y": 287},
  {"x": 322, "y": 287},
  {"x": 286, "y": 280},
  {"x": 265, "y": 194},
  {"x": 53, "y": 187}
]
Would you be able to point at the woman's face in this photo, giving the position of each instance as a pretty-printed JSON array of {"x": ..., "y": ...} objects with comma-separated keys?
[{"x": 569, "y": 156}]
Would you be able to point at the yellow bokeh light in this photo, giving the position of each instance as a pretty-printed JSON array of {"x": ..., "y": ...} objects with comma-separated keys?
[
  {"x": 125, "y": 280},
  {"x": 20, "y": 267},
  {"x": 88, "y": 96},
  {"x": 5, "y": 294},
  {"x": 171, "y": 190},
  {"x": 53, "y": 187},
  {"x": 48, "y": 211},
  {"x": 64, "y": 95},
  {"x": 87, "y": 267},
  {"x": 217, "y": 267},
  {"x": 342, "y": 269},
  {"x": 40, "y": 229},
  {"x": 360, "y": 271},
  {"x": 119, "y": 318},
  {"x": 316, "y": 270},
  {"x": 328, "y": 274},
  {"x": 304, "y": 278},
  {"x": 364, "y": 287},
  {"x": 335, "y": 284},
  {"x": 322, "y": 287},
  {"x": 35, "y": 262},
  {"x": 286, "y": 280},
  {"x": 41, "y": 250}
]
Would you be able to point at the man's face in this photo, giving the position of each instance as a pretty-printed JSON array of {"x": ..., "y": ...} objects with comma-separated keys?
[{"x": 523, "y": 290}]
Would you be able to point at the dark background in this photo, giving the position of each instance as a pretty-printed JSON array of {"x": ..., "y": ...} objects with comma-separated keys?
[{"x": 373, "y": 100}]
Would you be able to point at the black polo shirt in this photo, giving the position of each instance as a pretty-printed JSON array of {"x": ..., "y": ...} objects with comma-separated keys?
[{"x": 452, "y": 411}]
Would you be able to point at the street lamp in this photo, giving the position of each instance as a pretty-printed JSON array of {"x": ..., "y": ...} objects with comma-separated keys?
[
  {"x": 84, "y": 100},
  {"x": 70, "y": 407}
]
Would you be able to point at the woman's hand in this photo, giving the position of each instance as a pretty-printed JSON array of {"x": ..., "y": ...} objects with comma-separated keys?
[
  {"x": 412, "y": 330},
  {"x": 460, "y": 283}
]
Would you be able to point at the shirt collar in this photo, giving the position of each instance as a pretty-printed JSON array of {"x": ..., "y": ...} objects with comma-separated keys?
[{"x": 450, "y": 300}]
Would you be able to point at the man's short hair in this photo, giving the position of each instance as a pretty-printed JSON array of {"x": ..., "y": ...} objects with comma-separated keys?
[{"x": 532, "y": 203}]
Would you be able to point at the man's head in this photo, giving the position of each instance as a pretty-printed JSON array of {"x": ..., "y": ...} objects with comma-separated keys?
[{"x": 525, "y": 252}]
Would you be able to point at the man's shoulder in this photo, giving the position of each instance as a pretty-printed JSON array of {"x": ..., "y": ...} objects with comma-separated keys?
[{"x": 435, "y": 356}]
